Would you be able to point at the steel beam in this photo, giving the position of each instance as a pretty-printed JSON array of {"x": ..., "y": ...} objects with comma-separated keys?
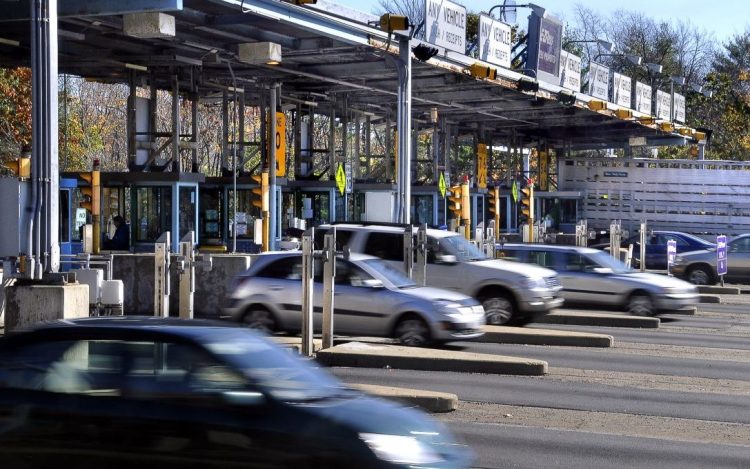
[{"x": 76, "y": 8}]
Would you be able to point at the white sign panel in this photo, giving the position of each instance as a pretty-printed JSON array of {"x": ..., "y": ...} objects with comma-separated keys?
[
  {"x": 494, "y": 41},
  {"x": 663, "y": 105},
  {"x": 679, "y": 107},
  {"x": 622, "y": 90},
  {"x": 445, "y": 25},
  {"x": 599, "y": 81},
  {"x": 642, "y": 98},
  {"x": 570, "y": 71}
]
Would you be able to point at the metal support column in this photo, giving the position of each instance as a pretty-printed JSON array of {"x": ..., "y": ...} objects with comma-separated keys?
[
  {"x": 420, "y": 268},
  {"x": 329, "y": 274},
  {"x": 368, "y": 147},
  {"x": 409, "y": 251},
  {"x": 332, "y": 141},
  {"x": 224, "y": 132},
  {"x": 161, "y": 275},
  {"x": 241, "y": 135},
  {"x": 187, "y": 275},
  {"x": 272, "y": 209},
  {"x": 130, "y": 119},
  {"x": 403, "y": 122},
  {"x": 308, "y": 272},
  {"x": 176, "y": 161},
  {"x": 388, "y": 157}
]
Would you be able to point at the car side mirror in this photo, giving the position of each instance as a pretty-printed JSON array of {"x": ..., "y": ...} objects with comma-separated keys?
[
  {"x": 449, "y": 259},
  {"x": 244, "y": 398}
]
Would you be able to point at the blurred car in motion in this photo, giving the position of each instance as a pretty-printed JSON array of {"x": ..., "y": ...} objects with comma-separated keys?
[
  {"x": 593, "y": 277},
  {"x": 699, "y": 267},
  {"x": 511, "y": 294},
  {"x": 371, "y": 298},
  {"x": 175, "y": 394},
  {"x": 656, "y": 247}
]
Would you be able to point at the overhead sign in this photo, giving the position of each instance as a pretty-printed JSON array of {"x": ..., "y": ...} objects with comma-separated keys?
[
  {"x": 441, "y": 184},
  {"x": 280, "y": 140},
  {"x": 545, "y": 46},
  {"x": 663, "y": 105},
  {"x": 671, "y": 253},
  {"x": 622, "y": 90},
  {"x": 349, "y": 178},
  {"x": 570, "y": 71},
  {"x": 599, "y": 81},
  {"x": 445, "y": 25},
  {"x": 482, "y": 166},
  {"x": 494, "y": 41},
  {"x": 721, "y": 255},
  {"x": 679, "y": 107},
  {"x": 642, "y": 98},
  {"x": 341, "y": 179}
]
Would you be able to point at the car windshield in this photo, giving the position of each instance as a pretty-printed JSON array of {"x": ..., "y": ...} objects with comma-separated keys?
[
  {"x": 391, "y": 274},
  {"x": 462, "y": 249},
  {"x": 280, "y": 373},
  {"x": 607, "y": 261}
]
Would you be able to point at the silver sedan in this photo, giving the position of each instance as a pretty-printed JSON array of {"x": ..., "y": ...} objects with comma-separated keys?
[
  {"x": 371, "y": 298},
  {"x": 593, "y": 277}
]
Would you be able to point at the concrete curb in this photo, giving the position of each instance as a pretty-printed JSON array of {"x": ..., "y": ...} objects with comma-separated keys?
[
  {"x": 599, "y": 319},
  {"x": 711, "y": 289},
  {"x": 531, "y": 336},
  {"x": 431, "y": 401},
  {"x": 709, "y": 299},
  {"x": 357, "y": 354}
]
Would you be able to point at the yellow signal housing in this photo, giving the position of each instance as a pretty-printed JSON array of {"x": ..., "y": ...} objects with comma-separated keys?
[
  {"x": 686, "y": 132},
  {"x": 527, "y": 208},
  {"x": 494, "y": 207},
  {"x": 596, "y": 105},
  {"x": 647, "y": 120},
  {"x": 20, "y": 167},
  {"x": 479, "y": 70},
  {"x": 390, "y": 22},
  {"x": 260, "y": 199},
  {"x": 454, "y": 201},
  {"x": 666, "y": 127},
  {"x": 624, "y": 113},
  {"x": 699, "y": 136},
  {"x": 466, "y": 209}
]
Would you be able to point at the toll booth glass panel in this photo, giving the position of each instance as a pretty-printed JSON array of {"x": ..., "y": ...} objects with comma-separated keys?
[
  {"x": 422, "y": 209},
  {"x": 211, "y": 216},
  {"x": 319, "y": 205},
  {"x": 187, "y": 207},
  {"x": 153, "y": 212},
  {"x": 245, "y": 216},
  {"x": 65, "y": 209},
  {"x": 113, "y": 204},
  {"x": 350, "y": 207}
]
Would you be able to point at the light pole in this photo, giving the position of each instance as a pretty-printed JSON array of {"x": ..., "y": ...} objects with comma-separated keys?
[
  {"x": 536, "y": 8},
  {"x": 601, "y": 44}
]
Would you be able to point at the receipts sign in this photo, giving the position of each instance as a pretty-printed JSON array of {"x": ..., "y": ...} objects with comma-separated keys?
[
  {"x": 599, "y": 81},
  {"x": 494, "y": 41},
  {"x": 445, "y": 25}
]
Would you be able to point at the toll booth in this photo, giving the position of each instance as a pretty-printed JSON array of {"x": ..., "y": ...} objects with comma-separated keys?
[
  {"x": 72, "y": 218},
  {"x": 315, "y": 201},
  {"x": 151, "y": 203},
  {"x": 427, "y": 206},
  {"x": 563, "y": 207}
]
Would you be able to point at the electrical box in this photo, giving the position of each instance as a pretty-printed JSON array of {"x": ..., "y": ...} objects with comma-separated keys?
[
  {"x": 379, "y": 206},
  {"x": 13, "y": 218}
]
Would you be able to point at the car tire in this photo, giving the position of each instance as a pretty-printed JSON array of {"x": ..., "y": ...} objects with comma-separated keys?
[
  {"x": 700, "y": 275},
  {"x": 498, "y": 309},
  {"x": 260, "y": 318},
  {"x": 640, "y": 304},
  {"x": 412, "y": 331}
]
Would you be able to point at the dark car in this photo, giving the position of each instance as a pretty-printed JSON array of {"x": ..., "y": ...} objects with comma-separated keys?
[
  {"x": 150, "y": 391},
  {"x": 656, "y": 246}
]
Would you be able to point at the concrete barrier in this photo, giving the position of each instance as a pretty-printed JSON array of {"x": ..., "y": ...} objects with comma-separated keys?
[
  {"x": 599, "y": 319},
  {"x": 137, "y": 273},
  {"x": 532, "y": 336},
  {"x": 27, "y": 304},
  {"x": 717, "y": 290},
  {"x": 709, "y": 298},
  {"x": 431, "y": 401},
  {"x": 356, "y": 354}
]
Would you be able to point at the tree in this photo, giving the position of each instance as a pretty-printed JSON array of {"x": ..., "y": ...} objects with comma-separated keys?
[{"x": 15, "y": 111}]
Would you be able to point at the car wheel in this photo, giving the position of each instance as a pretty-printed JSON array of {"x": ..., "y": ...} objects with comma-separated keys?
[
  {"x": 700, "y": 276},
  {"x": 640, "y": 304},
  {"x": 261, "y": 319},
  {"x": 412, "y": 331},
  {"x": 498, "y": 310}
]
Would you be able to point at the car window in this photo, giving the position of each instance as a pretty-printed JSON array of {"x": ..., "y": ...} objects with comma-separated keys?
[
  {"x": 388, "y": 246},
  {"x": 574, "y": 262},
  {"x": 137, "y": 369},
  {"x": 342, "y": 238},
  {"x": 740, "y": 245},
  {"x": 350, "y": 274},
  {"x": 289, "y": 268},
  {"x": 542, "y": 258},
  {"x": 511, "y": 255}
]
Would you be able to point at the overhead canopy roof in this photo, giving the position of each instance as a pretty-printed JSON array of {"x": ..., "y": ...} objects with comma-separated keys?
[{"x": 324, "y": 56}]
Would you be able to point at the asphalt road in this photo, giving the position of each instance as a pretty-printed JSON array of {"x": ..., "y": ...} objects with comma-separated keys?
[{"x": 673, "y": 397}]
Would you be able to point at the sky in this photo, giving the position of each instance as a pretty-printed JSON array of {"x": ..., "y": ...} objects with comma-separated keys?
[{"x": 725, "y": 18}]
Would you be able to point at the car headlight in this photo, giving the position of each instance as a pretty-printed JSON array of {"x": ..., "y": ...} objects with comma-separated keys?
[
  {"x": 400, "y": 449},
  {"x": 532, "y": 283},
  {"x": 444, "y": 305}
]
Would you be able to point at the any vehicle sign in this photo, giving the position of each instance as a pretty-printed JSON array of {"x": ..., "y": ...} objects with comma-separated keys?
[
  {"x": 721, "y": 255},
  {"x": 671, "y": 253}
]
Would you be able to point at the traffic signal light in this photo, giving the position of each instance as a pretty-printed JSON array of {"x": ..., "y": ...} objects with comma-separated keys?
[
  {"x": 260, "y": 193},
  {"x": 527, "y": 203},
  {"x": 494, "y": 206},
  {"x": 454, "y": 201},
  {"x": 20, "y": 167}
]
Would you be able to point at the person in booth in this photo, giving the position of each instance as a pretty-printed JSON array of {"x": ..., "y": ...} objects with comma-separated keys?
[{"x": 121, "y": 239}]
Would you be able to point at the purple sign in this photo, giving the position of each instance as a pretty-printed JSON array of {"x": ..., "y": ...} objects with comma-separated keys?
[
  {"x": 550, "y": 38},
  {"x": 721, "y": 255}
]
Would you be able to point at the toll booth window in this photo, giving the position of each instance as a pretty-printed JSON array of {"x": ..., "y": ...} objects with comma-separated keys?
[
  {"x": 154, "y": 212},
  {"x": 319, "y": 206},
  {"x": 113, "y": 205},
  {"x": 422, "y": 209},
  {"x": 342, "y": 238},
  {"x": 187, "y": 210},
  {"x": 340, "y": 206},
  {"x": 387, "y": 246},
  {"x": 245, "y": 216},
  {"x": 211, "y": 216},
  {"x": 64, "y": 205}
]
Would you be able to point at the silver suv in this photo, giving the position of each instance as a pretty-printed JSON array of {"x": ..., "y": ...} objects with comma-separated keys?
[
  {"x": 511, "y": 293},
  {"x": 371, "y": 298}
]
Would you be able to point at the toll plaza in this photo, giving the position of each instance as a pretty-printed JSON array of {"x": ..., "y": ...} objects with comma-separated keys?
[{"x": 327, "y": 114}]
